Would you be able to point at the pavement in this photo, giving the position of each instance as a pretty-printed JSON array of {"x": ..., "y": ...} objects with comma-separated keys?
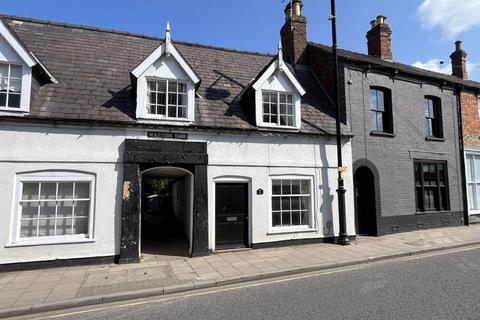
[{"x": 27, "y": 292}]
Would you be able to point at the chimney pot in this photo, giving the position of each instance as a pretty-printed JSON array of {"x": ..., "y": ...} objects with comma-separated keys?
[{"x": 458, "y": 45}]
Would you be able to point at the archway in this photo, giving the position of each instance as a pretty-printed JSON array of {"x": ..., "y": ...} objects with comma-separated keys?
[
  {"x": 365, "y": 206},
  {"x": 166, "y": 212}
]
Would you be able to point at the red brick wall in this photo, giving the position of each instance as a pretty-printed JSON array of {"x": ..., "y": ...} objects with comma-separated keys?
[{"x": 470, "y": 118}]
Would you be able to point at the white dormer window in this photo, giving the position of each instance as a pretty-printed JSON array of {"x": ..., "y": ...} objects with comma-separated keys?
[
  {"x": 166, "y": 87},
  {"x": 167, "y": 98},
  {"x": 278, "y": 97},
  {"x": 278, "y": 109},
  {"x": 10, "y": 85}
]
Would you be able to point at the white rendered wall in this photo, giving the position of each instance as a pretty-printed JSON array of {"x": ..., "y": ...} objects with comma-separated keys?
[{"x": 99, "y": 151}]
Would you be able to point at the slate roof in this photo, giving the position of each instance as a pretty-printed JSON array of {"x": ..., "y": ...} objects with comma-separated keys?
[
  {"x": 93, "y": 68},
  {"x": 358, "y": 57}
]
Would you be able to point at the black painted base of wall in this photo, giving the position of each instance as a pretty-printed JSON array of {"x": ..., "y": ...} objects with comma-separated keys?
[
  {"x": 397, "y": 224},
  {"x": 297, "y": 242},
  {"x": 25, "y": 266}
]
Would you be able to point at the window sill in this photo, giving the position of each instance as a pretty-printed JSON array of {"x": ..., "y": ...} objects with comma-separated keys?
[
  {"x": 382, "y": 134},
  {"x": 432, "y": 212},
  {"x": 17, "y": 112},
  {"x": 167, "y": 121},
  {"x": 435, "y": 139},
  {"x": 277, "y": 127},
  {"x": 291, "y": 230},
  {"x": 26, "y": 243}
]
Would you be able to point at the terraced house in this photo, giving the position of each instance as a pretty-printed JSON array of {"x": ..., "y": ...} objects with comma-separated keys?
[{"x": 119, "y": 145}]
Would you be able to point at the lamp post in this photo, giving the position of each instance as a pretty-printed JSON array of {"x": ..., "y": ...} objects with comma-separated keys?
[{"x": 343, "y": 235}]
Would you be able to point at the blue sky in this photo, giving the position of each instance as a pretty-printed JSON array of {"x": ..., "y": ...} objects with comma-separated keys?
[{"x": 424, "y": 31}]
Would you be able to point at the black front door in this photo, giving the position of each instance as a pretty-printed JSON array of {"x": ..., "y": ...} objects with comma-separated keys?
[
  {"x": 365, "y": 202},
  {"x": 231, "y": 215}
]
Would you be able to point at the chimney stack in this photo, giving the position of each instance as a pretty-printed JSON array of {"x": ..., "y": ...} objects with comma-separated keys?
[
  {"x": 459, "y": 61},
  {"x": 380, "y": 39},
  {"x": 294, "y": 33}
]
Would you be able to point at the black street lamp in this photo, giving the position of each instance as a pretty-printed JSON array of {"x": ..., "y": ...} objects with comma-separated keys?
[{"x": 343, "y": 235}]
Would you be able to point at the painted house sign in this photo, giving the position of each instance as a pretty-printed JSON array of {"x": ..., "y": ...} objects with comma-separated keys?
[{"x": 167, "y": 135}]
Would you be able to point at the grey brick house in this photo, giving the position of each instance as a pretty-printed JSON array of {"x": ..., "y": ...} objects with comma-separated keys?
[{"x": 407, "y": 149}]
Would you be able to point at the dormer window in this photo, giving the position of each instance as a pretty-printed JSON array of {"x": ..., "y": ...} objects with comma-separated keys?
[
  {"x": 278, "y": 109},
  {"x": 10, "y": 85},
  {"x": 167, "y": 98}
]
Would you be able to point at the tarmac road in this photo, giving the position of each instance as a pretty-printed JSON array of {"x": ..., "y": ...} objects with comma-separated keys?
[{"x": 442, "y": 285}]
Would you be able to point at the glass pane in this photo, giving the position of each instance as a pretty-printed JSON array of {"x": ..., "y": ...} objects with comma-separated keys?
[
  {"x": 14, "y": 101},
  {"x": 64, "y": 209},
  {"x": 162, "y": 110},
  {"x": 266, "y": 97},
  {"x": 29, "y": 210},
  {"x": 429, "y": 199},
  {"x": 442, "y": 174},
  {"x": 182, "y": 99},
  {"x": 444, "y": 198},
  {"x": 266, "y": 119},
  {"x": 182, "y": 87},
  {"x": 289, "y": 99},
  {"x": 30, "y": 191},
  {"x": 295, "y": 203},
  {"x": 286, "y": 187},
  {"x": 161, "y": 98},
  {"x": 305, "y": 187},
  {"x": 290, "y": 121},
  {"x": 429, "y": 174},
  {"x": 290, "y": 110},
  {"x": 172, "y": 87},
  {"x": 295, "y": 186},
  {"x": 65, "y": 190},
  {"x": 152, "y": 86},
  {"x": 82, "y": 208},
  {"x": 276, "y": 187},
  {"x": 380, "y": 101},
  {"x": 471, "y": 196},
  {"x": 3, "y": 84},
  {"x": 162, "y": 86},
  {"x": 275, "y": 204},
  {"x": 3, "y": 70},
  {"x": 172, "y": 111},
  {"x": 16, "y": 72},
  {"x": 373, "y": 99},
  {"x": 469, "y": 168},
  {"x": 476, "y": 197},
  {"x": 46, "y": 227},
  {"x": 285, "y": 203},
  {"x": 305, "y": 203},
  {"x": 476, "y": 164},
  {"x": 172, "y": 99},
  {"x": 152, "y": 109},
  {"x": 286, "y": 219},
  {"x": 380, "y": 121},
  {"x": 420, "y": 207},
  {"x": 273, "y": 98},
  {"x": 64, "y": 226},
  {"x": 283, "y": 120},
  {"x": 152, "y": 98},
  {"x": 276, "y": 219},
  {"x": 182, "y": 112},
  {"x": 418, "y": 174},
  {"x": 80, "y": 226},
  {"x": 374, "y": 121},
  {"x": 48, "y": 190},
  {"x": 283, "y": 109},
  {"x": 426, "y": 107},
  {"x": 3, "y": 99},
  {"x": 274, "y": 119},
  {"x": 28, "y": 228},
  {"x": 47, "y": 209},
  {"x": 15, "y": 86},
  {"x": 296, "y": 218},
  {"x": 82, "y": 190},
  {"x": 305, "y": 218}
]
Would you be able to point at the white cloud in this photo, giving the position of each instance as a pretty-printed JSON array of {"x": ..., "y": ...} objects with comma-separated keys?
[
  {"x": 437, "y": 66},
  {"x": 451, "y": 16}
]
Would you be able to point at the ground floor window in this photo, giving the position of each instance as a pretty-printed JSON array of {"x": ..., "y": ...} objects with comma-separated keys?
[
  {"x": 291, "y": 202},
  {"x": 472, "y": 167},
  {"x": 54, "y": 207},
  {"x": 431, "y": 185}
]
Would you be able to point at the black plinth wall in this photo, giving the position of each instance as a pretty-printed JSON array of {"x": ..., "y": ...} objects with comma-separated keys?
[{"x": 142, "y": 154}]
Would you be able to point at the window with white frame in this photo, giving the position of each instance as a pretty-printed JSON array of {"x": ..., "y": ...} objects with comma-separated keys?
[
  {"x": 472, "y": 167},
  {"x": 54, "y": 208},
  {"x": 278, "y": 108},
  {"x": 167, "y": 98},
  {"x": 10, "y": 86},
  {"x": 291, "y": 202}
]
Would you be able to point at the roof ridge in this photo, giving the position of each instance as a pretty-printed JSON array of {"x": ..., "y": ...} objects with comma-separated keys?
[{"x": 126, "y": 33}]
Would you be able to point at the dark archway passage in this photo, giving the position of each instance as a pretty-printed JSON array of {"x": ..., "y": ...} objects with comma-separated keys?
[{"x": 365, "y": 207}]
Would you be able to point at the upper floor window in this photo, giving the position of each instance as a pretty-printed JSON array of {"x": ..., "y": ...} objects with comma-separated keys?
[
  {"x": 10, "y": 85},
  {"x": 381, "y": 110},
  {"x": 433, "y": 117},
  {"x": 167, "y": 98},
  {"x": 278, "y": 108}
]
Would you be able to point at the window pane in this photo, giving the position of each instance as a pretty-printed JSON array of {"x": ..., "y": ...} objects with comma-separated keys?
[
  {"x": 418, "y": 174},
  {"x": 30, "y": 191},
  {"x": 182, "y": 112},
  {"x": 373, "y": 99},
  {"x": 305, "y": 203},
  {"x": 152, "y": 86},
  {"x": 429, "y": 199},
  {"x": 65, "y": 190},
  {"x": 283, "y": 120},
  {"x": 472, "y": 196},
  {"x": 429, "y": 174},
  {"x": 161, "y": 110},
  {"x": 29, "y": 210},
  {"x": 28, "y": 228},
  {"x": 273, "y": 98},
  {"x": 65, "y": 209},
  {"x": 172, "y": 87},
  {"x": 274, "y": 119},
  {"x": 295, "y": 186},
  {"x": 283, "y": 98},
  {"x": 182, "y": 99},
  {"x": 380, "y": 100},
  {"x": 469, "y": 168},
  {"x": 48, "y": 190},
  {"x": 47, "y": 209},
  {"x": 3, "y": 70},
  {"x": 374, "y": 121},
  {"x": 276, "y": 187},
  {"x": 3, "y": 99},
  {"x": 476, "y": 164},
  {"x": 182, "y": 87},
  {"x": 172, "y": 111},
  {"x": 276, "y": 204},
  {"x": 289, "y": 99},
  {"x": 172, "y": 99},
  {"x": 161, "y": 99},
  {"x": 419, "y": 197},
  {"x": 305, "y": 187},
  {"x": 15, "y": 72},
  {"x": 296, "y": 218},
  {"x": 14, "y": 101},
  {"x": 82, "y": 208},
  {"x": 442, "y": 174},
  {"x": 380, "y": 121},
  {"x": 152, "y": 98},
  {"x": 162, "y": 86},
  {"x": 295, "y": 203},
  {"x": 286, "y": 187},
  {"x": 82, "y": 190},
  {"x": 476, "y": 196},
  {"x": 443, "y": 198},
  {"x": 3, "y": 84},
  {"x": 305, "y": 218},
  {"x": 266, "y": 119},
  {"x": 64, "y": 226},
  {"x": 276, "y": 219},
  {"x": 286, "y": 219},
  {"x": 15, "y": 86},
  {"x": 80, "y": 226},
  {"x": 46, "y": 227},
  {"x": 283, "y": 109},
  {"x": 285, "y": 203}
]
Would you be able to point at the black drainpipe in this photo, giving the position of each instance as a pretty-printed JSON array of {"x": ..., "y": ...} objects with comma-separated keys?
[{"x": 462, "y": 155}]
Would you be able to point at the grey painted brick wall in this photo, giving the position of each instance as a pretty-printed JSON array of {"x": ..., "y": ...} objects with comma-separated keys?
[{"x": 393, "y": 158}]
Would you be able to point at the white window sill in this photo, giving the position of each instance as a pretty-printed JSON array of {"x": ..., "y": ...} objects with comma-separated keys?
[
  {"x": 474, "y": 212},
  {"x": 278, "y": 128},
  {"x": 162, "y": 120},
  {"x": 287, "y": 230},
  {"x": 17, "y": 112},
  {"x": 31, "y": 243}
]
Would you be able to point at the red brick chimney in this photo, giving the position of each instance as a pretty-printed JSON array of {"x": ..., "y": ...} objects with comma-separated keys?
[
  {"x": 380, "y": 39},
  {"x": 459, "y": 61},
  {"x": 294, "y": 33}
]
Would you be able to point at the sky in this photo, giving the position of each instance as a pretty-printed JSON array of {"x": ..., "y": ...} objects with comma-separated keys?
[{"x": 424, "y": 31}]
